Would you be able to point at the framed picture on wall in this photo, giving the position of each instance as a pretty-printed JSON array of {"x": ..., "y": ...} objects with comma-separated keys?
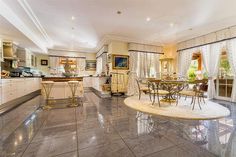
[
  {"x": 90, "y": 65},
  {"x": 44, "y": 62},
  {"x": 120, "y": 62}
]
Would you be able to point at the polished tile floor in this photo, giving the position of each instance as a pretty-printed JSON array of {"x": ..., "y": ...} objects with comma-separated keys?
[{"x": 107, "y": 128}]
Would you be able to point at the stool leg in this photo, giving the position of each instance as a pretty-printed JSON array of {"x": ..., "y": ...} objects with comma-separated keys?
[
  {"x": 73, "y": 88},
  {"x": 47, "y": 89}
]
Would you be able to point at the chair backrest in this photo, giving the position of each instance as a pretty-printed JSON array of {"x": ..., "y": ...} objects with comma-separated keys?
[
  {"x": 201, "y": 85},
  {"x": 138, "y": 81}
]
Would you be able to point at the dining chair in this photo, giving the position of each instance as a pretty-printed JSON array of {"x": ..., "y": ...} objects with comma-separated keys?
[
  {"x": 142, "y": 87},
  {"x": 199, "y": 88},
  {"x": 156, "y": 91}
]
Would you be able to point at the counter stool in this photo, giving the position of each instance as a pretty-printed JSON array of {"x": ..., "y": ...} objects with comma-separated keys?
[
  {"x": 47, "y": 87},
  {"x": 73, "y": 87}
]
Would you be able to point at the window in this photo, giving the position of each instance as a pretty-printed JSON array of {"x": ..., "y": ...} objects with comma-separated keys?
[
  {"x": 224, "y": 81},
  {"x": 195, "y": 70}
]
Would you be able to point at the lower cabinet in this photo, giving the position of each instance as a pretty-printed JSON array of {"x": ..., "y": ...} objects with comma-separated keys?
[{"x": 18, "y": 87}]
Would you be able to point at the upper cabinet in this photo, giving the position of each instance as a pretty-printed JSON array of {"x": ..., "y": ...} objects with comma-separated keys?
[
  {"x": 27, "y": 58},
  {"x": 9, "y": 50}
]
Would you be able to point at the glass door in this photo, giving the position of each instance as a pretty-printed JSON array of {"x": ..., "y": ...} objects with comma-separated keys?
[{"x": 224, "y": 82}]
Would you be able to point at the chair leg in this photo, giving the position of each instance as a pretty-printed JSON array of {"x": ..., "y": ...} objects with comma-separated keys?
[
  {"x": 158, "y": 100},
  {"x": 199, "y": 103},
  {"x": 194, "y": 101},
  {"x": 153, "y": 99},
  {"x": 139, "y": 96},
  {"x": 203, "y": 99},
  {"x": 150, "y": 96},
  {"x": 177, "y": 99}
]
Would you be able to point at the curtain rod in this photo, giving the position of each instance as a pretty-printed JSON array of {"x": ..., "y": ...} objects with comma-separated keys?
[
  {"x": 207, "y": 44},
  {"x": 146, "y": 52},
  {"x": 65, "y": 56},
  {"x": 101, "y": 54}
]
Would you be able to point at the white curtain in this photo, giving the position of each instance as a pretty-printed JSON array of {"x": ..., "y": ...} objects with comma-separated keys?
[
  {"x": 55, "y": 67},
  {"x": 80, "y": 66},
  {"x": 132, "y": 85},
  {"x": 231, "y": 53},
  {"x": 211, "y": 57},
  {"x": 148, "y": 64},
  {"x": 156, "y": 65},
  {"x": 185, "y": 58}
]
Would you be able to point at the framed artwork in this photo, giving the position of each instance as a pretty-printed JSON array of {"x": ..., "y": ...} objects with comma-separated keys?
[
  {"x": 44, "y": 62},
  {"x": 90, "y": 65},
  {"x": 120, "y": 62}
]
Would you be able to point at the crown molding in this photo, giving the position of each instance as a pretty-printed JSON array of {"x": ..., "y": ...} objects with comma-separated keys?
[
  {"x": 12, "y": 18},
  {"x": 25, "y": 5}
]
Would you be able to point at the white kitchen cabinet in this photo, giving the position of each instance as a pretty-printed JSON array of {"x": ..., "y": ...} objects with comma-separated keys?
[
  {"x": 18, "y": 87},
  {"x": 27, "y": 58},
  {"x": 88, "y": 82}
]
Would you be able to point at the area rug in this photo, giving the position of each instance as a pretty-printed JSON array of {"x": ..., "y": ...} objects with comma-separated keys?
[{"x": 210, "y": 110}]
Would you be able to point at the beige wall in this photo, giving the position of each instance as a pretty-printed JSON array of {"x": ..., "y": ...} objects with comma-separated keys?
[
  {"x": 170, "y": 51},
  {"x": 120, "y": 48},
  {"x": 43, "y": 69}
]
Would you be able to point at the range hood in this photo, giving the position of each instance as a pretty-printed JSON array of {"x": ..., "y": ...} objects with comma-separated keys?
[{"x": 9, "y": 51}]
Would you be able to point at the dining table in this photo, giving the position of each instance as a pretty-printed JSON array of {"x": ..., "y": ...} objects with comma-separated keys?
[{"x": 173, "y": 87}]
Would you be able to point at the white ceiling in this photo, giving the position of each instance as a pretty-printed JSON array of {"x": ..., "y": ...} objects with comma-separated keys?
[
  {"x": 9, "y": 33},
  {"x": 97, "y": 20}
]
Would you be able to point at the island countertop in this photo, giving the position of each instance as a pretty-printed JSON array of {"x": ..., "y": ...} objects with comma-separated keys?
[{"x": 62, "y": 79}]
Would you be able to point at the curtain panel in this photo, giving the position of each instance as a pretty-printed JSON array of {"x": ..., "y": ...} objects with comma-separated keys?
[
  {"x": 185, "y": 58},
  {"x": 80, "y": 66},
  {"x": 142, "y": 65},
  {"x": 132, "y": 84},
  {"x": 54, "y": 65},
  {"x": 211, "y": 58}
]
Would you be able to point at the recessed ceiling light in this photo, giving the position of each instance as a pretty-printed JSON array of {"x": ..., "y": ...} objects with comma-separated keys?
[
  {"x": 148, "y": 19},
  {"x": 72, "y": 18},
  {"x": 172, "y": 24},
  {"x": 118, "y": 12}
]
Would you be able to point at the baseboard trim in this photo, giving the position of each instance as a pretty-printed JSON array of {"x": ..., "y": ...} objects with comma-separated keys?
[
  {"x": 99, "y": 94},
  {"x": 6, "y": 107}
]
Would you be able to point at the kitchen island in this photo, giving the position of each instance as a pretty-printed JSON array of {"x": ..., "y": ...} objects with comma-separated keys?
[{"x": 61, "y": 89}]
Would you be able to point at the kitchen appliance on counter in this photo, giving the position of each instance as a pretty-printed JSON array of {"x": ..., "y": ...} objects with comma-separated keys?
[{"x": 21, "y": 72}]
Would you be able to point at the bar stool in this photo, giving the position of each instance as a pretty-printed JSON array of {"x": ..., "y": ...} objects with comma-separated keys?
[
  {"x": 47, "y": 87},
  {"x": 73, "y": 87}
]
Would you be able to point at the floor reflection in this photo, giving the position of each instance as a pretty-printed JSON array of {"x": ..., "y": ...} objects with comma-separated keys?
[{"x": 106, "y": 127}]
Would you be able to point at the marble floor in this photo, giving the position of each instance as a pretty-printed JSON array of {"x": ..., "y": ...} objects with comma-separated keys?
[{"x": 107, "y": 128}]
